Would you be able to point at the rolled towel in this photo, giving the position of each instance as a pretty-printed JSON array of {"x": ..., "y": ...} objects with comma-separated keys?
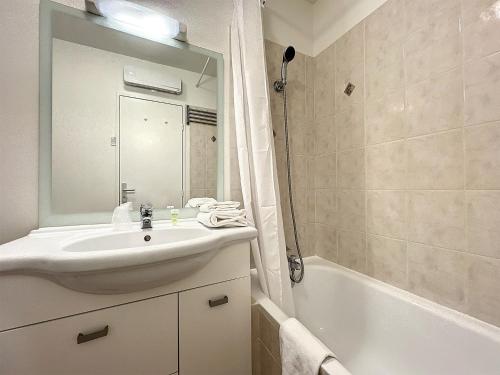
[
  {"x": 227, "y": 205},
  {"x": 301, "y": 352},
  {"x": 333, "y": 367},
  {"x": 223, "y": 218},
  {"x": 198, "y": 202}
]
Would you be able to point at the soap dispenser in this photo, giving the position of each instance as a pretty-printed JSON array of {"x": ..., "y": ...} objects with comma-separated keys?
[{"x": 121, "y": 219}]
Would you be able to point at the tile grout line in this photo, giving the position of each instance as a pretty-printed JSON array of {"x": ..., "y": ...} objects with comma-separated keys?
[
  {"x": 464, "y": 156},
  {"x": 365, "y": 140}
]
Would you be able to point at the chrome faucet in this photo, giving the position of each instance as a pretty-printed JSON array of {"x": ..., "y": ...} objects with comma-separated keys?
[{"x": 146, "y": 212}]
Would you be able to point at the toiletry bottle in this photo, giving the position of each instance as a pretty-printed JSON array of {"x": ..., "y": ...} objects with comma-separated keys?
[
  {"x": 174, "y": 216},
  {"x": 121, "y": 219}
]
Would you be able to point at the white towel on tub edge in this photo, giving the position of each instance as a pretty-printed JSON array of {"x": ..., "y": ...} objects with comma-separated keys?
[{"x": 301, "y": 352}]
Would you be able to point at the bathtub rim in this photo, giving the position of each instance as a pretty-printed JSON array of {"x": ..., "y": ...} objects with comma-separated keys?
[{"x": 454, "y": 316}]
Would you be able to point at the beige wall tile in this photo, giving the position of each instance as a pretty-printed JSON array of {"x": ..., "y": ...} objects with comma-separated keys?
[
  {"x": 325, "y": 140},
  {"x": 311, "y": 206},
  {"x": 235, "y": 195},
  {"x": 352, "y": 250},
  {"x": 437, "y": 218},
  {"x": 343, "y": 77},
  {"x": 483, "y": 223},
  {"x": 484, "y": 289},
  {"x": 325, "y": 171},
  {"x": 436, "y": 161},
  {"x": 385, "y": 118},
  {"x": 350, "y": 127},
  {"x": 326, "y": 207},
  {"x": 351, "y": 210},
  {"x": 438, "y": 274},
  {"x": 326, "y": 242},
  {"x": 309, "y": 88},
  {"x": 351, "y": 169},
  {"x": 383, "y": 79},
  {"x": 436, "y": 104},
  {"x": 386, "y": 260},
  {"x": 386, "y": 166},
  {"x": 482, "y": 90},
  {"x": 269, "y": 365},
  {"x": 387, "y": 213},
  {"x": 301, "y": 134},
  {"x": 434, "y": 48},
  {"x": 308, "y": 245},
  {"x": 269, "y": 333},
  {"x": 420, "y": 14},
  {"x": 278, "y": 121},
  {"x": 349, "y": 51},
  {"x": 324, "y": 83},
  {"x": 387, "y": 23},
  {"x": 481, "y": 27},
  {"x": 482, "y": 156},
  {"x": 384, "y": 31},
  {"x": 299, "y": 171}
]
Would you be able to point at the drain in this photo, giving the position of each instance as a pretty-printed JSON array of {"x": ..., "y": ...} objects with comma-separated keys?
[{"x": 147, "y": 238}]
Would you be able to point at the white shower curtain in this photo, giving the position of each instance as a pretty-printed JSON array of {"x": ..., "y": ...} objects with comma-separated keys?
[{"x": 256, "y": 156}]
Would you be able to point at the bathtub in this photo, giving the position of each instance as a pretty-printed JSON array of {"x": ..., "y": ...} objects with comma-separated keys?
[{"x": 375, "y": 328}]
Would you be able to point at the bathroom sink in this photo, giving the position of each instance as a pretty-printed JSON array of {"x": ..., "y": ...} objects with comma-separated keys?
[
  {"x": 96, "y": 259},
  {"x": 135, "y": 239}
]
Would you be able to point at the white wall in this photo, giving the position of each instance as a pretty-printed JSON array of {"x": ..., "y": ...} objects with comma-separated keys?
[
  {"x": 289, "y": 22},
  {"x": 208, "y": 23},
  {"x": 311, "y": 28},
  {"x": 86, "y": 84}
]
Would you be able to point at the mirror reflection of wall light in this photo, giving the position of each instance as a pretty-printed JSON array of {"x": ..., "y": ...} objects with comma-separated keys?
[{"x": 138, "y": 18}]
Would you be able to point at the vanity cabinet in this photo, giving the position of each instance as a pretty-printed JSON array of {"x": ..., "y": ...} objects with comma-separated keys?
[
  {"x": 135, "y": 338},
  {"x": 197, "y": 326}
]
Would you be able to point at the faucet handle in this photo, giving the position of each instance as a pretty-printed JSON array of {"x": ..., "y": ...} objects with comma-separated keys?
[{"x": 146, "y": 210}]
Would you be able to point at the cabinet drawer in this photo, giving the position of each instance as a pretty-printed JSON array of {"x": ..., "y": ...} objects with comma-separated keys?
[
  {"x": 214, "y": 329},
  {"x": 141, "y": 338}
]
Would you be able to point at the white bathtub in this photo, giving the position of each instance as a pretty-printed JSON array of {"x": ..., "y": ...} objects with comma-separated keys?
[{"x": 375, "y": 328}]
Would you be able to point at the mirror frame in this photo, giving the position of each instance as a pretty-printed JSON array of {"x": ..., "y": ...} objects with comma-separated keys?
[{"x": 46, "y": 217}]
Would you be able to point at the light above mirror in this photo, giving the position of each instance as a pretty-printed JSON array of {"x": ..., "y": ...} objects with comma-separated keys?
[{"x": 138, "y": 19}]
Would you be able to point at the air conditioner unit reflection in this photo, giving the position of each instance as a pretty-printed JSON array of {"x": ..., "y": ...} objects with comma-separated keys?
[{"x": 152, "y": 80}]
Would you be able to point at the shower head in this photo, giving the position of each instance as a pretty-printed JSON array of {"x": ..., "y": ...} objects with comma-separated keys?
[{"x": 288, "y": 55}]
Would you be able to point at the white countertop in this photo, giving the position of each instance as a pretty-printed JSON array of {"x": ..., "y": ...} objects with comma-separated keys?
[{"x": 43, "y": 249}]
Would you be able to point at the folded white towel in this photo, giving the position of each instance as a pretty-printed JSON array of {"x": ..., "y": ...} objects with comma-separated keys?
[
  {"x": 197, "y": 202},
  {"x": 227, "y": 205},
  {"x": 301, "y": 352},
  {"x": 223, "y": 218}
]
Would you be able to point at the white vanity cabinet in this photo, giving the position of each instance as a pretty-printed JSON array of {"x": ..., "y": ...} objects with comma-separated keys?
[{"x": 196, "y": 326}]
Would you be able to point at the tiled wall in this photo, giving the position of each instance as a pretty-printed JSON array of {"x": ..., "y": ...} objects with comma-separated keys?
[
  {"x": 203, "y": 161},
  {"x": 402, "y": 179},
  {"x": 301, "y": 128},
  {"x": 266, "y": 358}
]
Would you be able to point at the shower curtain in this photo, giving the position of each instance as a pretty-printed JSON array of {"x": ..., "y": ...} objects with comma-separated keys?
[{"x": 256, "y": 156}]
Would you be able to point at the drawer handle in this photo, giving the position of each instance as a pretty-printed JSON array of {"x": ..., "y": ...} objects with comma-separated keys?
[
  {"x": 81, "y": 338},
  {"x": 218, "y": 302}
]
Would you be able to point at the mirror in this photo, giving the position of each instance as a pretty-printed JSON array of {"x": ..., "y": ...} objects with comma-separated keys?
[{"x": 124, "y": 118}]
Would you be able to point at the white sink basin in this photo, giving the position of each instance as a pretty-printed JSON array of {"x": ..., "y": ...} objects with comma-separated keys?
[
  {"x": 96, "y": 259},
  {"x": 135, "y": 239}
]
